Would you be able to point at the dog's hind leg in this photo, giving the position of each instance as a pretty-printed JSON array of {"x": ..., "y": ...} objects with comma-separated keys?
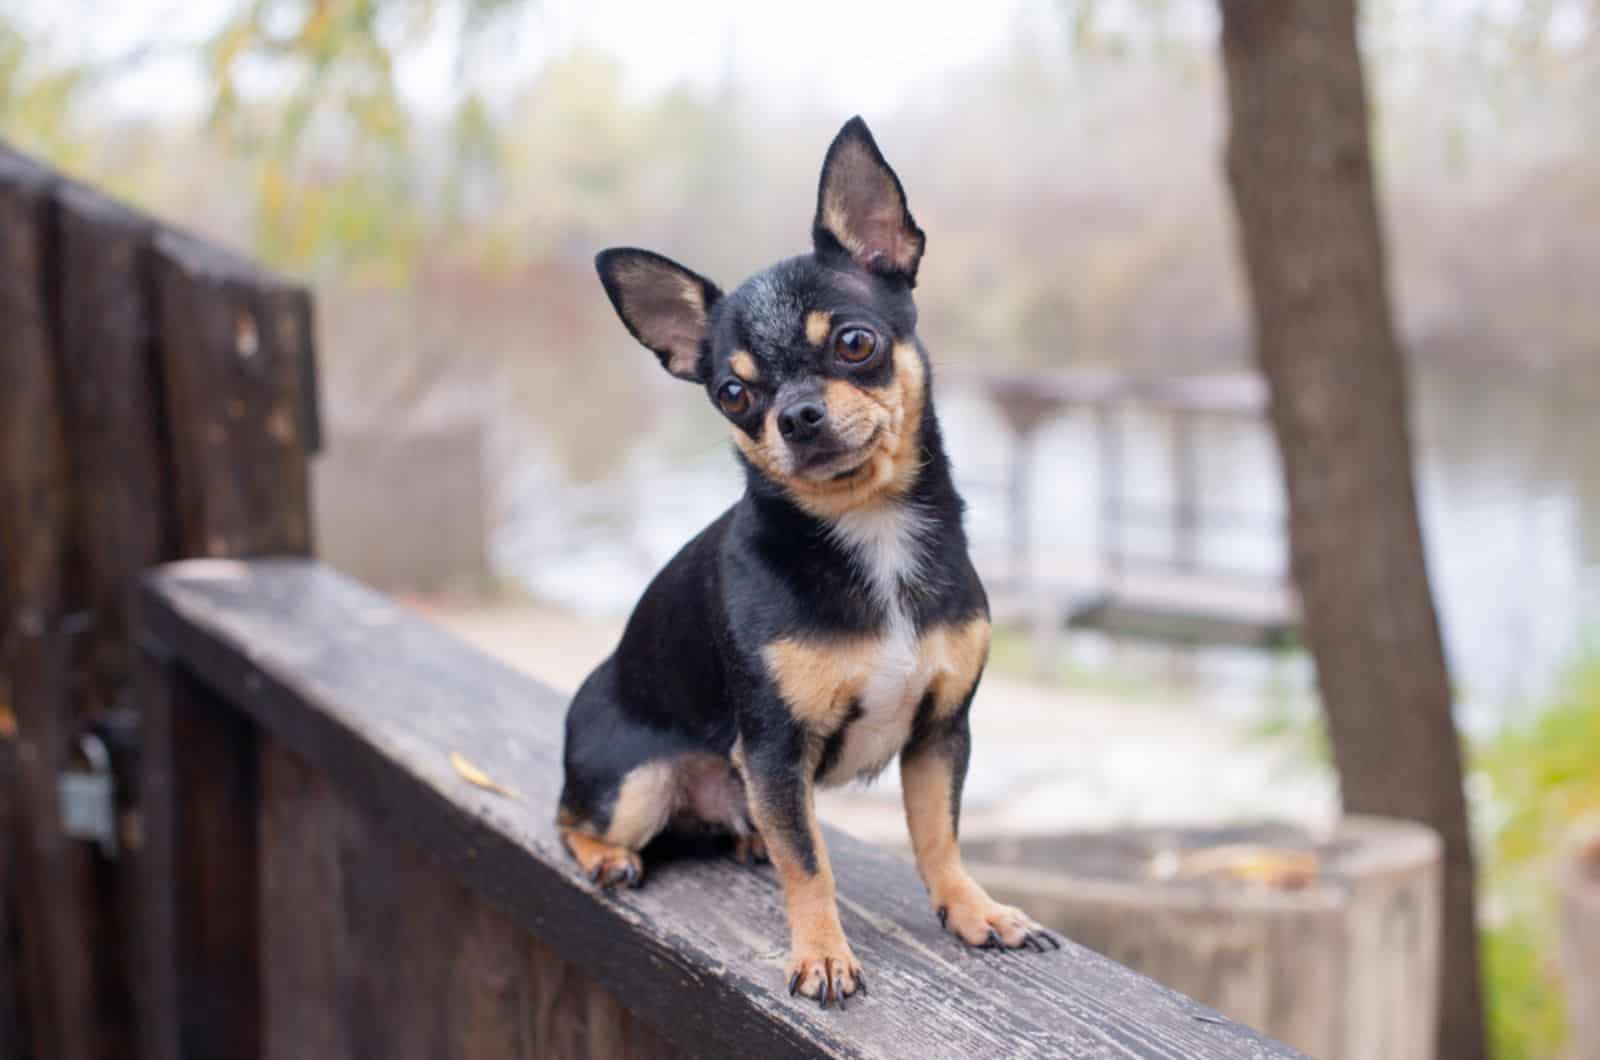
[{"x": 608, "y": 852}]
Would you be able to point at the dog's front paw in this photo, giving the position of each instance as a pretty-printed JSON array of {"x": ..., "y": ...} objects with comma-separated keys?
[
  {"x": 827, "y": 972},
  {"x": 978, "y": 920}
]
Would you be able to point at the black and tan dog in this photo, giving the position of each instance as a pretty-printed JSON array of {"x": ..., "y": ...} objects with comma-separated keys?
[{"x": 828, "y": 621}]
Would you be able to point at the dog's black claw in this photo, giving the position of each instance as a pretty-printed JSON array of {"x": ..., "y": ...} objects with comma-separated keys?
[
  {"x": 794, "y": 984},
  {"x": 861, "y": 983},
  {"x": 1055, "y": 943},
  {"x": 633, "y": 877},
  {"x": 838, "y": 990},
  {"x": 1034, "y": 943},
  {"x": 993, "y": 941},
  {"x": 944, "y": 916},
  {"x": 596, "y": 872}
]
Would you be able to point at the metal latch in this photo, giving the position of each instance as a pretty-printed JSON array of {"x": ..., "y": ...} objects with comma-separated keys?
[{"x": 88, "y": 800}]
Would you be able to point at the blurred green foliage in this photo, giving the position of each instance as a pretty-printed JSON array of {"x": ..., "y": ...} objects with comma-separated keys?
[
  {"x": 1525, "y": 1011},
  {"x": 36, "y": 96},
  {"x": 331, "y": 144},
  {"x": 1542, "y": 787}
]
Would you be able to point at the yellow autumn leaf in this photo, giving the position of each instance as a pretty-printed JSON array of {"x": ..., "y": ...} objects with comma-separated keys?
[{"x": 478, "y": 778}]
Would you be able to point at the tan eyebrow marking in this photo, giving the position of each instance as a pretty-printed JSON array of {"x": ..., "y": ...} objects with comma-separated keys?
[
  {"x": 744, "y": 366},
  {"x": 818, "y": 324}
]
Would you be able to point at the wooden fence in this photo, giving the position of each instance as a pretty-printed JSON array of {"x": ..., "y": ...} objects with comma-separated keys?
[{"x": 299, "y": 870}]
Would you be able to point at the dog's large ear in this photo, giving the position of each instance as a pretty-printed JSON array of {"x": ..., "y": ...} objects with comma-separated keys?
[
  {"x": 861, "y": 208},
  {"x": 665, "y": 306}
]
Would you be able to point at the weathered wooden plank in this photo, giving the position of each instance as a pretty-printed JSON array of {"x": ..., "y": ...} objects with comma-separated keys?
[
  {"x": 156, "y": 875},
  {"x": 13, "y": 1041},
  {"x": 111, "y": 388},
  {"x": 370, "y": 949},
  {"x": 105, "y": 309},
  {"x": 197, "y": 874},
  {"x": 376, "y": 699},
  {"x": 217, "y": 875},
  {"x": 301, "y": 880},
  {"x": 232, "y": 341},
  {"x": 55, "y": 874}
]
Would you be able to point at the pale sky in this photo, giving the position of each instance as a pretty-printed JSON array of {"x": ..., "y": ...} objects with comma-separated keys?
[
  {"x": 836, "y": 55},
  {"x": 842, "y": 54}
]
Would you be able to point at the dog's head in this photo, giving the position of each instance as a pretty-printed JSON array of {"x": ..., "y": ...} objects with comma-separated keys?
[{"x": 814, "y": 361}]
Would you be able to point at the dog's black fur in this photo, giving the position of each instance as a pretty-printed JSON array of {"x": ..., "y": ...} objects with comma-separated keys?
[{"x": 722, "y": 705}]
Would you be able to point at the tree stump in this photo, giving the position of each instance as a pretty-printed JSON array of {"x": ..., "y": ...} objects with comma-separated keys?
[
  {"x": 1580, "y": 945},
  {"x": 1330, "y": 944}
]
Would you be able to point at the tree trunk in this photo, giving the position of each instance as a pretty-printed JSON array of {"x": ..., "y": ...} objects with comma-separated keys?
[{"x": 1301, "y": 173}]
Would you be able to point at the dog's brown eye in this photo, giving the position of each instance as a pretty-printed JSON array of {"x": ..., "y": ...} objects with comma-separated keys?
[
  {"x": 855, "y": 345},
  {"x": 734, "y": 399}
]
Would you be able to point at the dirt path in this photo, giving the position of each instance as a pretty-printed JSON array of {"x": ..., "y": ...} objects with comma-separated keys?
[{"x": 1044, "y": 758}]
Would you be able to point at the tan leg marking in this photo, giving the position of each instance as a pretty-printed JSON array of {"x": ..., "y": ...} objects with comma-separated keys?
[
  {"x": 820, "y": 678},
  {"x": 644, "y": 804},
  {"x": 821, "y": 965},
  {"x": 963, "y": 906},
  {"x": 954, "y": 655}
]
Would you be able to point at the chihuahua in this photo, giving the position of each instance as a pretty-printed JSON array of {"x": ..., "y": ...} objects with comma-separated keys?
[{"x": 827, "y": 622}]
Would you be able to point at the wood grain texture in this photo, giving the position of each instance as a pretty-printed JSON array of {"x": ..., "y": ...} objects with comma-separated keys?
[
  {"x": 370, "y": 949},
  {"x": 217, "y": 875},
  {"x": 156, "y": 869},
  {"x": 13, "y": 1037},
  {"x": 375, "y": 699},
  {"x": 106, "y": 339},
  {"x": 232, "y": 341},
  {"x": 111, "y": 389},
  {"x": 55, "y": 874}
]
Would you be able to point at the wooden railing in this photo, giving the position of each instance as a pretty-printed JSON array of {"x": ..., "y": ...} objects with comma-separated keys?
[
  {"x": 407, "y": 912},
  {"x": 300, "y": 869}
]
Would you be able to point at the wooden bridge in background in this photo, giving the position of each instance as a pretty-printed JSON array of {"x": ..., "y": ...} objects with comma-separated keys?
[
  {"x": 273, "y": 851},
  {"x": 1177, "y": 596}
]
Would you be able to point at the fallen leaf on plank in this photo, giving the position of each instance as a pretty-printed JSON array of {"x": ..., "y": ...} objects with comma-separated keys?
[{"x": 478, "y": 778}]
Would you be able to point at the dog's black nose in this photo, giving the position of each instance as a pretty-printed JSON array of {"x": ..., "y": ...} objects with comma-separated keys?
[{"x": 802, "y": 421}]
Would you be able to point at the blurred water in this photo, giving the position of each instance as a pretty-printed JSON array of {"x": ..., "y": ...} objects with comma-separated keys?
[{"x": 1510, "y": 491}]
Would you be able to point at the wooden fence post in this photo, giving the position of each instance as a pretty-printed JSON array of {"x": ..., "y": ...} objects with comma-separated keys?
[
  {"x": 110, "y": 390},
  {"x": 55, "y": 874},
  {"x": 12, "y": 1034},
  {"x": 232, "y": 342}
]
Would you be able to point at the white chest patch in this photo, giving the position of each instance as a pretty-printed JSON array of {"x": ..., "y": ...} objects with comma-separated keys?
[
  {"x": 886, "y": 546},
  {"x": 888, "y": 704}
]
